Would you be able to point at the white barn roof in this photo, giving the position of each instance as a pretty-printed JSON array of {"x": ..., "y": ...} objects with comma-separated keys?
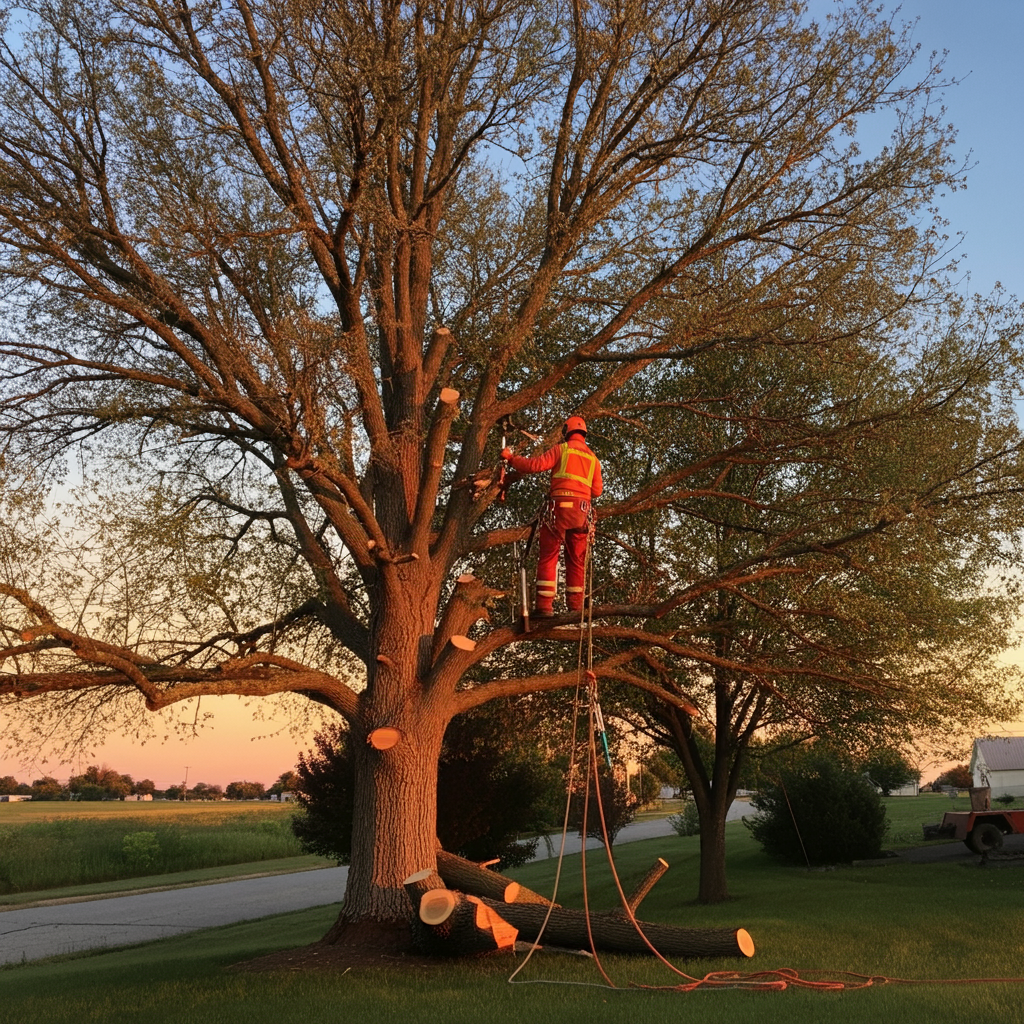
[{"x": 1001, "y": 753}]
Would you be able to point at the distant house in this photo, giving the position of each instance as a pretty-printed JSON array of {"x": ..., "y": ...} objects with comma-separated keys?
[
  {"x": 13, "y": 798},
  {"x": 139, "y": 796},
  {"x": 286, "y": 797},
  {"x": 998, "y": 762}
]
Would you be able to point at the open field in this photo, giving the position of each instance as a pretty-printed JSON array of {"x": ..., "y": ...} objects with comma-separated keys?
[
  {"x": 48, "y": 846},
  {"x": 31, "y": 811},
  {"x": 922, "y": 921}
]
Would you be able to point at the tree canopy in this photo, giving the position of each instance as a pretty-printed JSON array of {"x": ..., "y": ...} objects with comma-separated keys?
[{"x": 278, "y": 272}]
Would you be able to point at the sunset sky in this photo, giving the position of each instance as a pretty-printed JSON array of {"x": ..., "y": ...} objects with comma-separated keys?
[{"x": 984, "y": 42}]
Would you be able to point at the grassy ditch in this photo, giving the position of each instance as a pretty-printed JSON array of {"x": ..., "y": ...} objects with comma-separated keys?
[
  {"x": 912, "y": 921},
  {"x": 49, "y": 852}
]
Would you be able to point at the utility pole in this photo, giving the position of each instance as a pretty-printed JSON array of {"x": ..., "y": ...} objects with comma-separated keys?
[{"x": 184, "y": 788}]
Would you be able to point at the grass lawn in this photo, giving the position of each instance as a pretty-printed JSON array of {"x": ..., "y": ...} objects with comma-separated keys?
[
  {"x": 47, "y": 846},
  {"x": 906, "y": 920}
]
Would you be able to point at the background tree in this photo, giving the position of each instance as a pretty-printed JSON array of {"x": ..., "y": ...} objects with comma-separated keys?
[
  {"x": 100, "y": 783},
  {"x": 245, "y": 791},
  {"x": 253, "y": 256},
  {"x": 889, "y": 769},
  {"x": 205, "y": 791},
  {"x": 959, "y": 777},
  {"x": 881, "y": 608},
  {"x": 287, "y": 782},
  {"x": 618, "y": 808},
  {"x": 48, "y": 788}
]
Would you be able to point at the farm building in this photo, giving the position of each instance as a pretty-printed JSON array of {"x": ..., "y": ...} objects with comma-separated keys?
[{"x": 998, "y": 762}]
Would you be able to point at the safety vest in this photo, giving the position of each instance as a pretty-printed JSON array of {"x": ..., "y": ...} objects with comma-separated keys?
[{"x": 576, "y": 465}]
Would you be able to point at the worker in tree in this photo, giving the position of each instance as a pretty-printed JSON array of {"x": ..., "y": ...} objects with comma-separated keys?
[{"x": 568, "y": 515}]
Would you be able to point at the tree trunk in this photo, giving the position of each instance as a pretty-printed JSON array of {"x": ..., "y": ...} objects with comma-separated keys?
[
  {"x": 394, "y": 822},
  {"x": 714, "y": 887}
]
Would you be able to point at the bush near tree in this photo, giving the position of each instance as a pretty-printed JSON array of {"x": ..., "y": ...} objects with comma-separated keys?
[
  {"x": 492, "y": 786},
  {"x": 819, "y": 810}
]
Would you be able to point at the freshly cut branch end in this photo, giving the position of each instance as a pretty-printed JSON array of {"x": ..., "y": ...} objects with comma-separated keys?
[{"x": 384, "y": 738}]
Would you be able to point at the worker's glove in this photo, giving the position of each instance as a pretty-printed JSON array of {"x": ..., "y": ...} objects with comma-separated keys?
[{"x": 506, "y": 453}]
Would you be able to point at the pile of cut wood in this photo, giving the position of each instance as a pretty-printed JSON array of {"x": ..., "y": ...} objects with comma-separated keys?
[{"x": 463, "y": 908}]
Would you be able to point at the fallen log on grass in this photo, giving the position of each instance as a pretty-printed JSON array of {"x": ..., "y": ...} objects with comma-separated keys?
[
  {"x": 615, "y": 933},
  {"x": 448, "y": 923},
  {"x": 465, "y": 876}
]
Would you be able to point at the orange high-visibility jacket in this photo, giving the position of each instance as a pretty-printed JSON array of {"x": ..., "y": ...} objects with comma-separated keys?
[{"x": 575, "y": 469}]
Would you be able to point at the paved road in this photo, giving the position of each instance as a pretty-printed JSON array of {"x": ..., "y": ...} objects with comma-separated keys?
[
  {"x": 951, "y": 853},
  {"x": 35, "y": 932},
  {"x": 651, "y": 829},
  {"x": 69, "y": 927}
]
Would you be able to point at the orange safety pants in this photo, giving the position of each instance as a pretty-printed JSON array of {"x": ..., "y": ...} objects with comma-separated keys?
[{"x": 565, "y": 522}]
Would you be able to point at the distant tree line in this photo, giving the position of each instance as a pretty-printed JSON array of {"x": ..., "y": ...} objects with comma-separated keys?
[{"x": 101, "y": 782}]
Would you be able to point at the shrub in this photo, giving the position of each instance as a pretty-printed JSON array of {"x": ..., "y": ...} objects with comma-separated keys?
[
  {"x": 1006, "y": 799},
  {"x": 819, "y": 810},
  {"x": 492, "y": 785},
  {"x": 687, "y": 822},
  {"x": 140, "y": 850}
]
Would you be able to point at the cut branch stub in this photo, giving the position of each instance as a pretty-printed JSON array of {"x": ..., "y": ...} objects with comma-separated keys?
[
  {"x": 449, "y": 396},
  {"x": 644, "y": 886},
  {"x": 463, "y": 643},
  {"x": 384, "y": 738}
]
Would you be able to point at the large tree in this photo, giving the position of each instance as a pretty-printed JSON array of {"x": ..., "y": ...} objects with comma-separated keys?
[
  {"x": 281, "y": 269},
  {"x": 890, "y": 489}
]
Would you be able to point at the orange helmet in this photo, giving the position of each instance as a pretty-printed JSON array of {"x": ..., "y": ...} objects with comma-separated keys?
[{"x": 574, "y": 425}]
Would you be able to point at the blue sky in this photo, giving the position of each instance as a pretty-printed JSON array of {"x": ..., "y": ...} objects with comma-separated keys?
[{"x": 984, "y": 40}]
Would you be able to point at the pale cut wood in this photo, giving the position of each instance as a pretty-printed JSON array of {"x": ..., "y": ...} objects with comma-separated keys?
[
  {"x": 436, "y": 906},
  {"x": 470, "y": 927},
  {"x": 615, "y": 934},
  {"x": 419, "y": 883},
  {"x": 449, "y": 396},
  {"x": 463, "y": 643},
  {"x": 384, "y": 738}
]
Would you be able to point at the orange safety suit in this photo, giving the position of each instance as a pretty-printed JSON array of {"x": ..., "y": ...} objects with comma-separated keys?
[{"x": 575, "y": 482}]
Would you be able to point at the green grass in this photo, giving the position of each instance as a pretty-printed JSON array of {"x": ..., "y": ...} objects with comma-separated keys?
[
  {"x": 906, "y": 920},
  {"x": 40, "y": 851}
]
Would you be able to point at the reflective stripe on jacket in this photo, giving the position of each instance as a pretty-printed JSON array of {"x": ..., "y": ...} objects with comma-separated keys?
[
  {"x": 575, "y": 469},
  {"x": 576, "y": 466}
]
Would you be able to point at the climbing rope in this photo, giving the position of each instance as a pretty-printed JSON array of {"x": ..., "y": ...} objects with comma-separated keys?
[{"x": 776, "y": 980}]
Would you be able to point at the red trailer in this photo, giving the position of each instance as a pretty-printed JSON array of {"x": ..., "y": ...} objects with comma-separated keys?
[{"x": 981, "y": 830}]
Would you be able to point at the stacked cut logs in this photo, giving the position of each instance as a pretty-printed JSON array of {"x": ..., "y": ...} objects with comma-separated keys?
[{"x": 462, "y": 908}]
